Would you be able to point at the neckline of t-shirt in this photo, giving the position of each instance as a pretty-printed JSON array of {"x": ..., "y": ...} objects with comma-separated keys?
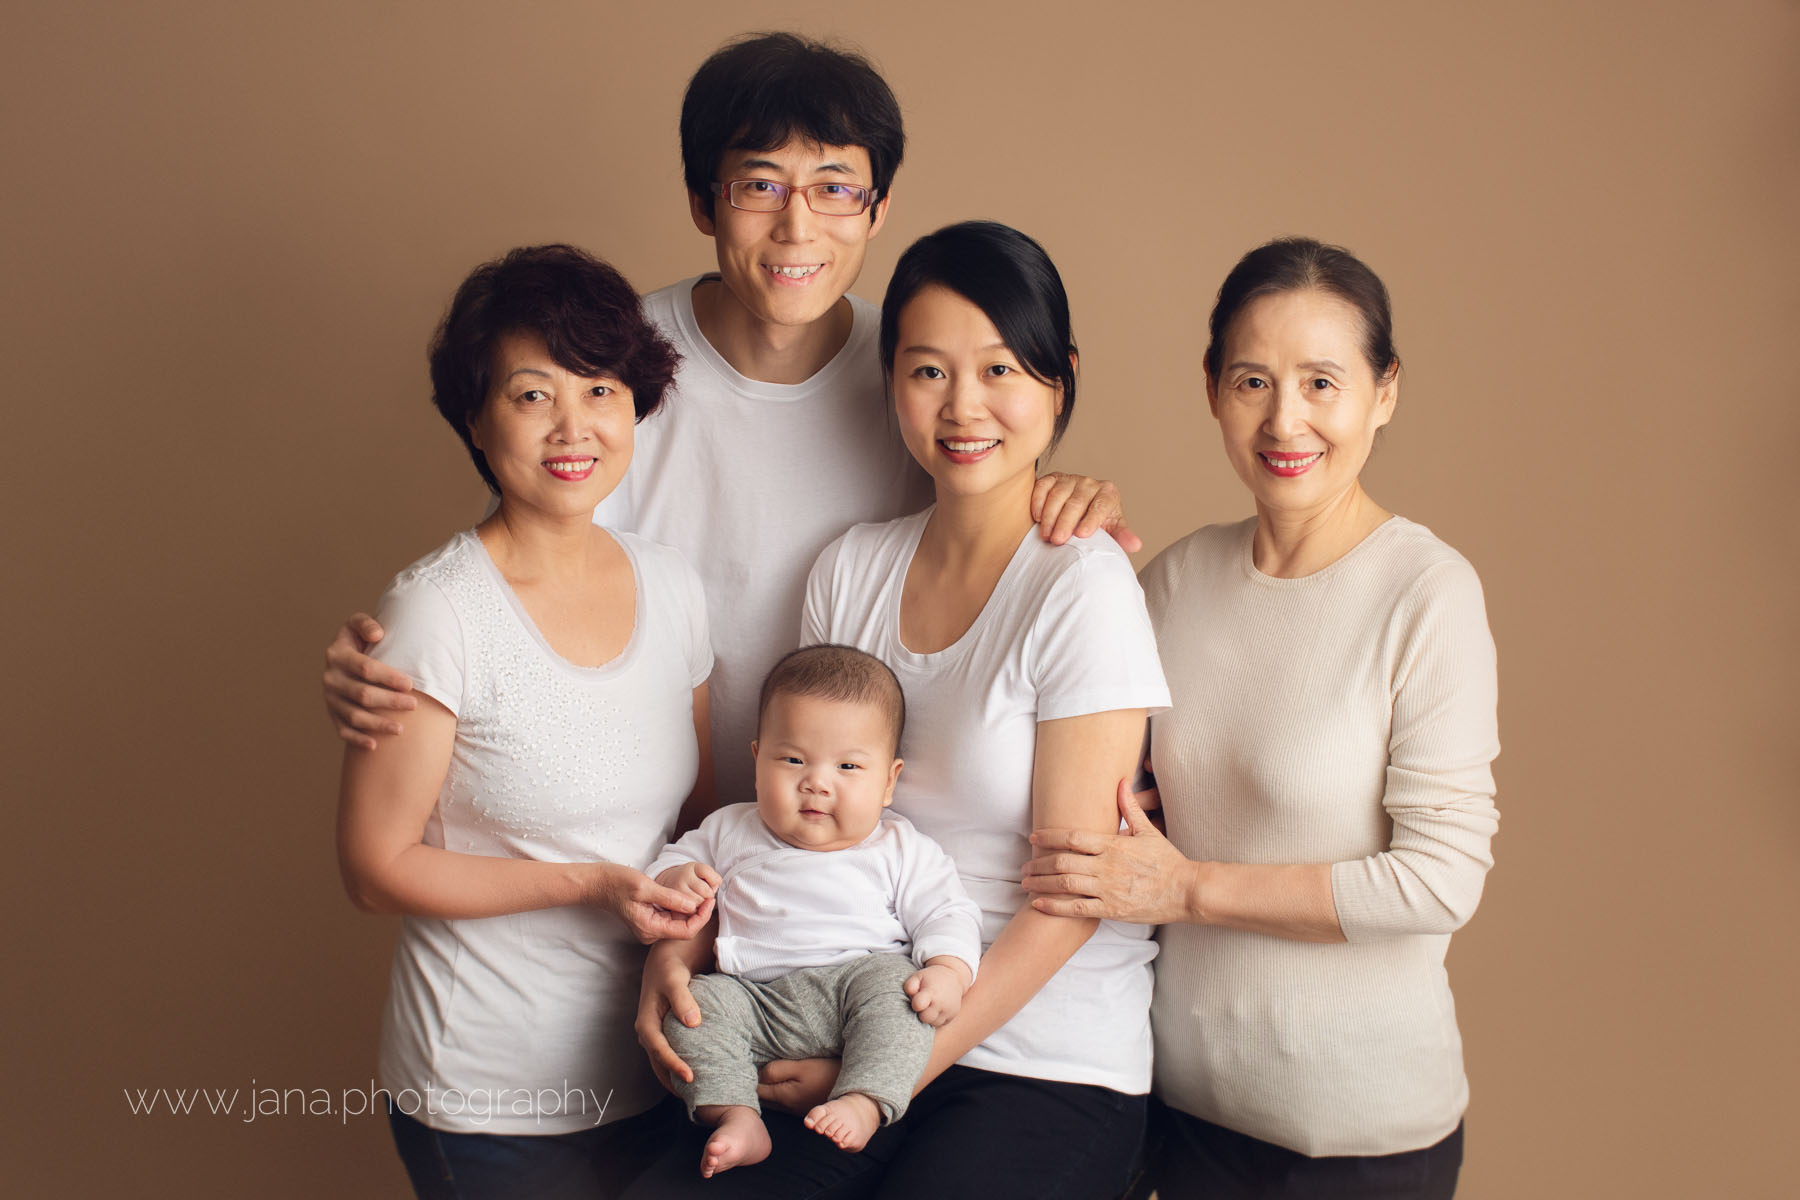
[
  {"x": 606, "y": 670},
  {"x": 897, "y": 585},
  {"x": 1247, "y": 555},
  {"x": 701, "y": 350}
]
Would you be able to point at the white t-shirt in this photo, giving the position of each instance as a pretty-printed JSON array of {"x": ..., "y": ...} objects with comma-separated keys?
[
  {"x": 782, "y": 908},
  {"x": 1064, "y": 634},
  {"x": 750, "y": 480},
  {"x": 522, "y": 1023}
]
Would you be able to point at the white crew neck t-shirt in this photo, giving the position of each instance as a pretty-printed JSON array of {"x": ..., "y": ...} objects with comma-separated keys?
[
  {"x": 750, "y": 480},
  {"x": 1064, "y": 634}
]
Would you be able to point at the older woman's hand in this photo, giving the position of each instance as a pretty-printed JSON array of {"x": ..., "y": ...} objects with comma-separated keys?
[
  {"x": 1136, "y": 876},
  {"x": 651, "y": 911}
]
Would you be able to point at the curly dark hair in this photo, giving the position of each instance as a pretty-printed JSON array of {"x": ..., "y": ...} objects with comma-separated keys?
[{"x": 585, "y": 311}]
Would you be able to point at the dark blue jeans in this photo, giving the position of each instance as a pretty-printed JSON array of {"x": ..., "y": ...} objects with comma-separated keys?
[
  {"x": 971, "y": 1134},
  {"x": 1191, "y": 1159},
  {"x": 594, "y": 1164}
]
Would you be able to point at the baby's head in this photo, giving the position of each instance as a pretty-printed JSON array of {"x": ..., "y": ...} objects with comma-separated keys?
[{"x": 827, "y": 738}]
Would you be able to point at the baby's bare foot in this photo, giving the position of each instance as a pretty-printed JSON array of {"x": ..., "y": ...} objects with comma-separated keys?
[
  {"x": 740, "y": 1139},
  {"x": 850, "y": 1120}
]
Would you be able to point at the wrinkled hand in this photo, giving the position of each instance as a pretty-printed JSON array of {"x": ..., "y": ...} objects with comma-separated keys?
[
  {"x": 665, "y": 990},
  {"x": 1136, "y": 876},
  {"x": 360, "y": 691},
  {"x": 653, "y": 912},
  {"x": 1075, "y": 505},
  {"x": 937, "y": 993},
  {"x": 796, "y": 1086}
]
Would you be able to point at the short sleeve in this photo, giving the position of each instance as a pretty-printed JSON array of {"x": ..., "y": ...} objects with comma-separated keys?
[
  {"x": 815, "y": 613},
  {"x": 1092, "y": 647},
  {"x": 424, "y": 638},
  {"x": 692, "y": 594}
]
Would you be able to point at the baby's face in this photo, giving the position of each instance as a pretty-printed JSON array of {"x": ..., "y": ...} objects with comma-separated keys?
[{"x": 824, "y": 771}]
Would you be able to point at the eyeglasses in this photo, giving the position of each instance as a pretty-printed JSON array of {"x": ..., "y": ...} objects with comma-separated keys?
[{"x": 765, "y": 195}]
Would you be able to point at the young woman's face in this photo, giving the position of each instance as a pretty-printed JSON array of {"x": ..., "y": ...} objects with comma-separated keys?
[
  {"x": 970, "y": 413},
  {"x": 554, "y": 440},
  {"x": 1297, "y": 403}
]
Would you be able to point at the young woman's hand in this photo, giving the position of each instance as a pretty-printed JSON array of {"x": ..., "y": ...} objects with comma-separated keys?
[
  {"x": 665, "y": 990},
  {"x": 796, "y": 1086},
  {"x": 361, "y": 693},
  {"x": 652, "y": 911},
  {"x": 1136, "y": 876}
]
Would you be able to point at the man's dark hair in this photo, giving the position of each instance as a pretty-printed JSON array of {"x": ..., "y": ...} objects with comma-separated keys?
[
  {"x": 833, "y": 672},
  {"x": 585, "y": 311},
  {"x": 766, "y": 89}
]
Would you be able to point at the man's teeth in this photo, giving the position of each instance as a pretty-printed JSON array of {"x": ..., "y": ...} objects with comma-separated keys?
[
  {"x": 971, "y": 447},
  {"x": 570, "y": 468},
  {"x": 796, "y": 272}
]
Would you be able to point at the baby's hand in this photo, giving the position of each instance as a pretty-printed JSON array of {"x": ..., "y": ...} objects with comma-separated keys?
[
  {"x": 937, "y": 989},
  {"x": 696, "y": 879}
]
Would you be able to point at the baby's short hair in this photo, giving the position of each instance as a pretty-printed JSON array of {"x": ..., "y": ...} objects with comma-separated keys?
[{"x": 834, "y": 672}]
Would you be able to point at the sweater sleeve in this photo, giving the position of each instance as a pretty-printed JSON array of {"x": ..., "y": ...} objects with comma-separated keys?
[{"x": 1440, "y": 786}]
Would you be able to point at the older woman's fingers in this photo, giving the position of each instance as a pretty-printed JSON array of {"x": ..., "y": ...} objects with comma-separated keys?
[
  {"x": 1068, "y": 906},
  {"x": 1081, "y": 841},
  {"x": 1080, "y": 885}
]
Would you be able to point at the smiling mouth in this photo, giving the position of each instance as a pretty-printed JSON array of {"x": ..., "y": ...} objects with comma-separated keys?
[
  {"x": 806, "y": 272},
  {"x": 570, "y": 468},
  {"x": 1290, "y": 464}
]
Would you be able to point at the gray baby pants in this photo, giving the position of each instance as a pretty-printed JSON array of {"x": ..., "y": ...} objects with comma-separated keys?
[{"x": 855, "y": 1011}]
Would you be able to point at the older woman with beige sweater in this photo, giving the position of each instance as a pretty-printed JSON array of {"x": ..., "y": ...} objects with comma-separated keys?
[{"x": 1325, "y": 774}]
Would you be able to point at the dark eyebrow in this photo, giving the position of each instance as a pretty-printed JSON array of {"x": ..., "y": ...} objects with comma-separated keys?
[
  {"x": 769, "y": 164},
  {"x": 934, "y": 350}
]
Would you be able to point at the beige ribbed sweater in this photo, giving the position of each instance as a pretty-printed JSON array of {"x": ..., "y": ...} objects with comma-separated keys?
[{"x": 1347, "y": 717}]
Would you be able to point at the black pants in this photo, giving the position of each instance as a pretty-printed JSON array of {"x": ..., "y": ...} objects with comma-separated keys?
[
  {"x": 1191, "y": 1159},
  {"x": 593, "y": 1164},
  {"x": 974, "y": 1134}
]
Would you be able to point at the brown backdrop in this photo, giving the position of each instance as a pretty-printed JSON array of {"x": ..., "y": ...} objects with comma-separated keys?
[{"x": 228, "y": 229}]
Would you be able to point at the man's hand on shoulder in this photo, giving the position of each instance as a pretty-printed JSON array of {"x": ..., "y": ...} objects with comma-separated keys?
[
  {"x": 1066, "y": 506},
  {"x": 362, "y": 692}
]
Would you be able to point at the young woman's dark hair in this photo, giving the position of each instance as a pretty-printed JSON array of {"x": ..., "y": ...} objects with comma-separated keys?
[
  {"x": 585, "y": 311},
  {"x": 1009, "y": 278},
  {"x": 1296, "y": 264},
  {"x": 765, "y": 89}
]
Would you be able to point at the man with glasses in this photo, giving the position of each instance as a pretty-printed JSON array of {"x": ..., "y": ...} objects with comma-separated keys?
[{"x": 777, "y": 435}]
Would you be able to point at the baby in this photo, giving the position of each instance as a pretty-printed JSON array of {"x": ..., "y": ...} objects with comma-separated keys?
[{"x": 820, "y": 898}]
